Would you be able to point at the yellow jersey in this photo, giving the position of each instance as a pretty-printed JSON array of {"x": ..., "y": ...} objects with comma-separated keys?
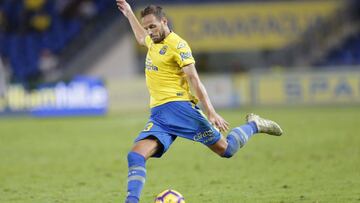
[{"x": 165, "y": 79}]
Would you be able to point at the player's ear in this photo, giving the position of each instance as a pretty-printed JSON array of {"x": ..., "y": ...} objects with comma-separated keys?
[{"x": 164, "y": 20}]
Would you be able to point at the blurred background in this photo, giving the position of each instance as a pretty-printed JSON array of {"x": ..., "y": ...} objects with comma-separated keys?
[
  {"x": 294, "y": 61},
  {"x": 67, "y": 57}
]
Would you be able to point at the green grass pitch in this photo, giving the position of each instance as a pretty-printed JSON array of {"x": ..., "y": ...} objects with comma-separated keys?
[{"x": 83, "y": 160}]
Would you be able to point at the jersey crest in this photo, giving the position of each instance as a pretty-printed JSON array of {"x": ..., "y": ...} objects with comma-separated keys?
[{"x": 163, "y": 50}]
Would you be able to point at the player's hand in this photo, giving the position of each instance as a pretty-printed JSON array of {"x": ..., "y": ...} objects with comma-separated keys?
[
  {"x": 124, "y": 7},
  {"x": 218, "y": 121}
]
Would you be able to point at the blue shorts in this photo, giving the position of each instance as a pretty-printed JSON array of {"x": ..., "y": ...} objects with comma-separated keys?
[{"x": 178, "y": 119}]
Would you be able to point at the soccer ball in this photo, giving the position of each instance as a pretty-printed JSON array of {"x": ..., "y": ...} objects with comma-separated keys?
[{"x": 169, "y": 196}]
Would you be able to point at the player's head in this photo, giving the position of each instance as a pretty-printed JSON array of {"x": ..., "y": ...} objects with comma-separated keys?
[{"x": 155, "y": 22}]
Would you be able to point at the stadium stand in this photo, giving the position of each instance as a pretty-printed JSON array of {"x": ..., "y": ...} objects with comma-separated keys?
[
  {"x": 331, "y": 43},
  {"x": 32, "y": 27},
  {"x": 348, "y": 51},
  {"x": 347, "y": 54}
]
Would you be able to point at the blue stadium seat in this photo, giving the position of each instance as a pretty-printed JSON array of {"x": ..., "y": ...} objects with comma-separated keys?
[{"x": 347, "y": 54}]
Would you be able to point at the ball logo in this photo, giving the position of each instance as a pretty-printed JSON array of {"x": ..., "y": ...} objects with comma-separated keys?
[{"x": 169, "y": 196}]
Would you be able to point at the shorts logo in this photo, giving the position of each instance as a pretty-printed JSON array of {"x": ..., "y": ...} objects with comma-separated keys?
[
  {"x": 185, "y": 55},
  {"x": 163, "y": 50},
  {"x": 148, "y": 126},
  {"x": 205, "y": 137}
]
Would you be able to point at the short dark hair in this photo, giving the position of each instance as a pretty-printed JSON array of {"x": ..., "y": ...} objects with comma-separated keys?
[{"x": 157, "y": 11}]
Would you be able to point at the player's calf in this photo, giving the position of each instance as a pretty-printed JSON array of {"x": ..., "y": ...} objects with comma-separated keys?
[
  {"x": 136, "y": 176},
  {"x": 238, "y": 137}
]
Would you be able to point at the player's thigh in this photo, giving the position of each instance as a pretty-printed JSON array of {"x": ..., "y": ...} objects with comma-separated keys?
[
  {"x": 219, "y": 147},
  {"x": 146, "y": 147},
  {"x": 185, "y": 119}
]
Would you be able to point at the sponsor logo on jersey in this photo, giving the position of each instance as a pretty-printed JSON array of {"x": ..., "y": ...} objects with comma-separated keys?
[
  {"x": 150, "y": 66},
  {"x": 185, "y": 55},
  {"x": 163, "y": 50},
  {"x": 179, "y": 94},
  {"x": 181, "y": 45}
]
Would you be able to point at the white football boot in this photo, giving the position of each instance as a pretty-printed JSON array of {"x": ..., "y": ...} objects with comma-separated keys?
[{"x": 264, "y": 125}]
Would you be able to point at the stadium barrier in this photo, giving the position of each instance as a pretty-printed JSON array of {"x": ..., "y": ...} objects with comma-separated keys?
[
  {"x": 128, "y": 94},
  {"x": 81, "y": 97},
  {"x": 317, "y": 88},
  {"x": 260, "y": 89}
]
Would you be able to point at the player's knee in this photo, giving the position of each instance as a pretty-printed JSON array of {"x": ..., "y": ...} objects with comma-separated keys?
[
  {"x": 223, "y": 152},
  {"x": 219, "y": 147},
  {"x": 229, "y": 152},
  {"x": 231, "y": 148}
]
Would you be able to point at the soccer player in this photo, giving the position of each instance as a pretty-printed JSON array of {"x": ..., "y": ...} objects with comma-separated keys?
[{"x": 170, "y": 72}]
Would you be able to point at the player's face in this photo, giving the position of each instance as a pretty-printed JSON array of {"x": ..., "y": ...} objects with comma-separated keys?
[{"x": 154, "y": 27}]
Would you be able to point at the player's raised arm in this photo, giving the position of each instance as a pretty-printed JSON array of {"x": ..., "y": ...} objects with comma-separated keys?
[
  {"x": 200, "y": 91},
  {"x": 139, "y": 32}
]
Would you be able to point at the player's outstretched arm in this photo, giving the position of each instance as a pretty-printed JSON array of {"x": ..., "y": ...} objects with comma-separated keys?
[
  {"x": 200, "y": 91},
  {"x": 139, "y": 32}
]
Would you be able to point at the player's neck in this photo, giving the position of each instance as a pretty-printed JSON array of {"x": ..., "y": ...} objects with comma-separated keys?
[{"x": 167, "y": 31}]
